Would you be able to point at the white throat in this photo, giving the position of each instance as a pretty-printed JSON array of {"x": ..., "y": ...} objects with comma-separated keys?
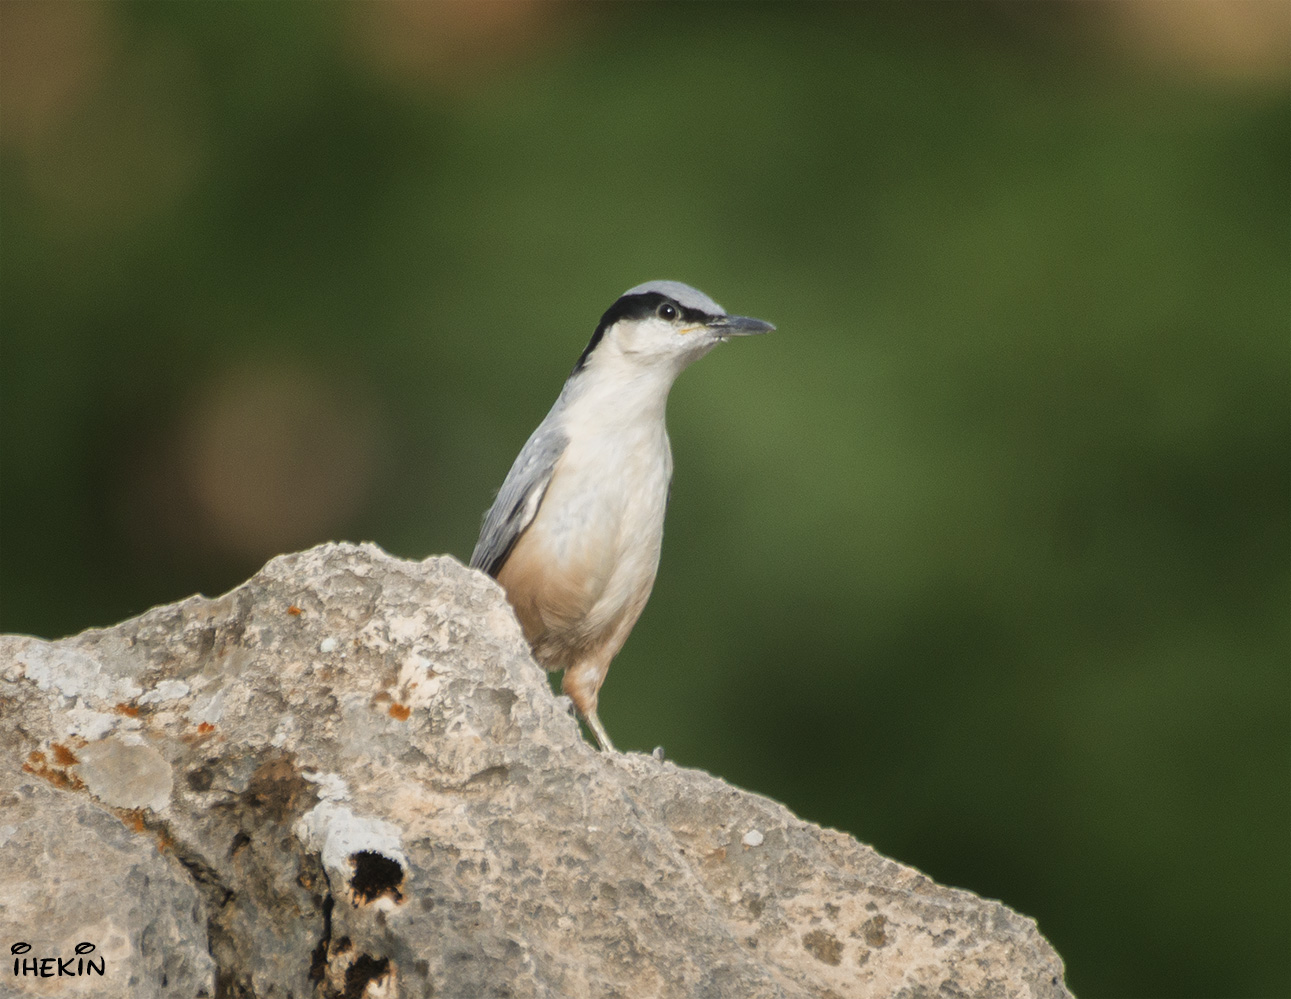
[{"x": 617, "y": 390}]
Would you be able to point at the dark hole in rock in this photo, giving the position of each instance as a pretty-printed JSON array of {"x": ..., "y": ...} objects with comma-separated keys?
[
  {"x": 375, "y": 875},
  {"x": 200, "y": 779},
  {"x": 364, "y": 969},
  {"x": 318, "y": 960}
]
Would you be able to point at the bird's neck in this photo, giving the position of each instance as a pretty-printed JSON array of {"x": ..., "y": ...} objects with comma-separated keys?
[{"x": 616, "y": 392}]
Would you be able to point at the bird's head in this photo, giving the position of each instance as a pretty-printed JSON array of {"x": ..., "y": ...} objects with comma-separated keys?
[{"x": 664, "y": 324}]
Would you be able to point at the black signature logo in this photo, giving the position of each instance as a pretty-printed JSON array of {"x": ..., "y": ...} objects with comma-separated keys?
[{"x": 56, "y": 967}]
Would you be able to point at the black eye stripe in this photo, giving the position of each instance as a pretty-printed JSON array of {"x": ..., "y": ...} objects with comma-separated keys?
[{"x": 637, "y": 306}]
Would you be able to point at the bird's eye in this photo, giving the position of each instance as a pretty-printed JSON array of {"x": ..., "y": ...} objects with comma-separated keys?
[{"x": 666, "y": 311}]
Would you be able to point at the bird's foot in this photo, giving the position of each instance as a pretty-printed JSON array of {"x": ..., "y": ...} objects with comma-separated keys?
[{"x": 598, "y": 730}]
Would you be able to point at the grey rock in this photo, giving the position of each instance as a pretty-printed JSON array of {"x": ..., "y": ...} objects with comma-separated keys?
[
  {"x": 347, "y": 777},
  {"x": 74, "y": 874}
]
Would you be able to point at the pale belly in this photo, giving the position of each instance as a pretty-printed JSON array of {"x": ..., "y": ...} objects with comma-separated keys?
[{"x": 581, "y": 574}]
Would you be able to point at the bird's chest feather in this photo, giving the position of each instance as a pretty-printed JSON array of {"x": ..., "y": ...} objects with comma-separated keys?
[{"x": 604, "y": 509}]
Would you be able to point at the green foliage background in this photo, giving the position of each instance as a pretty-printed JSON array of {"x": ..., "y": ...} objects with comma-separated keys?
[{"x": 983, "y": 557}]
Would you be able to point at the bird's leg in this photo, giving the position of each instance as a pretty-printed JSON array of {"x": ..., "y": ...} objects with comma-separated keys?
[
  {"x": 581, "y": 683},
  {"x": 598, "y": 730}
]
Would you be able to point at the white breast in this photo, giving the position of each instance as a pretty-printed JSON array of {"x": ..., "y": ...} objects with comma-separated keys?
[{"x": 602, "y": 516}]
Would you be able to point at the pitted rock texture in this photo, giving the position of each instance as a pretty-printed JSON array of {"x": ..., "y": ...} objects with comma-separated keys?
[{"x": 348, "y": 778}]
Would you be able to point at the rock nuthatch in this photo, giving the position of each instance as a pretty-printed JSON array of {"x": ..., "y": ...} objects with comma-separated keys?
[{"x": 574, "y": 534}]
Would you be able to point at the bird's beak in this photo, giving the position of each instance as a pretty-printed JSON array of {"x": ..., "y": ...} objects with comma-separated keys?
[{"x": 728, "y": 326}]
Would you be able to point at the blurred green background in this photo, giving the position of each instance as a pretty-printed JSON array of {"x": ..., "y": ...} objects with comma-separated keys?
[{"x": 983, "y": 557}]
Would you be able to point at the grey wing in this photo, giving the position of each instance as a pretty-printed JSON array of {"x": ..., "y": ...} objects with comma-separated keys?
[{"x": 519, "y": 498}]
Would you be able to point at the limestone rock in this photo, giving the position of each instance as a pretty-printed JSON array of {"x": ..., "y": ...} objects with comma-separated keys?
[
  {"x": 348, "y": 778},
  {"x": 72, "y": 875}
]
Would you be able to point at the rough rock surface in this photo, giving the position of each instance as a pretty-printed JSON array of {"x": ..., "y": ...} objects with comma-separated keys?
[{"x": 347, "y": 778}]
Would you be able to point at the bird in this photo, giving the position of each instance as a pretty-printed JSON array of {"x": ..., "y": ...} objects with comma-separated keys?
[{"x": 574, "y": 534}]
